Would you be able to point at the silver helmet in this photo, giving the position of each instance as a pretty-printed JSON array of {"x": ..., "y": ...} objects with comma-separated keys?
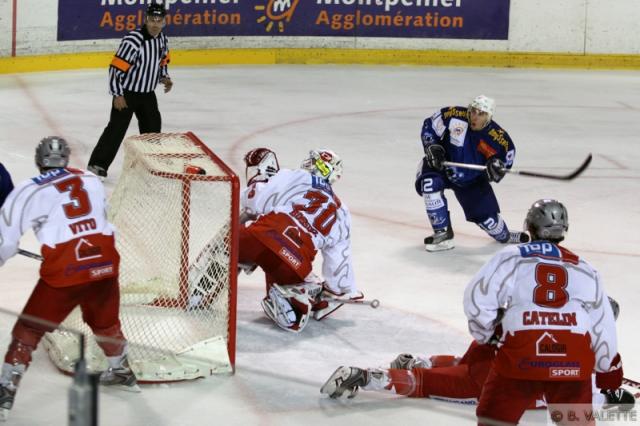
[
  {"x": 52, "y": 152},
  {"x": 547, "y": 220}
]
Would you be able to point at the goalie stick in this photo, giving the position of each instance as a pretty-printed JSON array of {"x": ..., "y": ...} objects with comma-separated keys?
[
  {"x": 375, "y": 303},
  {"x": 30, "y": 254},
  {"x": 574, "y": 174}
]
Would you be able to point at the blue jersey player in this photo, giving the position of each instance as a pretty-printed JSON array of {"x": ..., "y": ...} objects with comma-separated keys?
[
  {"x": 465, "y": 135},
  {"x": 6, "y": 184}
]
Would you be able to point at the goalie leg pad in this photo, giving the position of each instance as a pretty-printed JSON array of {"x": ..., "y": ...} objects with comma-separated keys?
[{"x": 289, "y": 306}]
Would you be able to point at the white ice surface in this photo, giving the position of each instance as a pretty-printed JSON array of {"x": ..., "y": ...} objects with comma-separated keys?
[{"x": 372, "y": 117}]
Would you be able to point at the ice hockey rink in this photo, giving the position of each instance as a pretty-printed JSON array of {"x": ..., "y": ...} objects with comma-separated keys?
[{"x": 371, "y": 116}]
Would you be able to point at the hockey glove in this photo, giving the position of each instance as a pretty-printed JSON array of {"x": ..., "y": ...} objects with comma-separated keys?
[
  {"x": 620, "y": 398},
  {"x": 611, "y": 379},
  {"x": 495, "y": 169},
  {"x": 434, "y": 155}
]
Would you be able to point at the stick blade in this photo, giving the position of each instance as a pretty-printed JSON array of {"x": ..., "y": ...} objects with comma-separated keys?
[{"x": 577, "y": 172}]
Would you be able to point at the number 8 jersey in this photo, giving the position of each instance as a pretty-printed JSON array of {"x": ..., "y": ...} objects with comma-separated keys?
[
  {"x": 557, "y": 324},
  {"x": 66, "y": 208},
  {"x": 308, "y": 216}
]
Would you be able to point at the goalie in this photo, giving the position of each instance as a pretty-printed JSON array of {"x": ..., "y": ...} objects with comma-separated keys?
[{"x": 290, "y": 215}]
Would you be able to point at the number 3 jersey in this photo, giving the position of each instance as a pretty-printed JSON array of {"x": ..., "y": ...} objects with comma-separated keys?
[
  {"x": 308, "y": 216},
  {"x": 66, "y": 208},
  {"x": 558, "y": 323}
]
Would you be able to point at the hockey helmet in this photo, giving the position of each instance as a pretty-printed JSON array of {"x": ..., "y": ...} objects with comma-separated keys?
[
  {"x": 547, "y": 220},
  {"x": 156, "y": 9},
  {"x": 52, "y": 152},
  {"x": 323, "y": 163},
  {"x": 485, "y": 104},
  {"x": 261, "y": 164}
]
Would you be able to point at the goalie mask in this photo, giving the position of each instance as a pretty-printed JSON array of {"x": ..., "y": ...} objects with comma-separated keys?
[
  {"x": 323, "y": 163},
  {"x": 261, "y": 164},
  {"x": 547, "y": 220},
  {"x": 52, "y": 152}
]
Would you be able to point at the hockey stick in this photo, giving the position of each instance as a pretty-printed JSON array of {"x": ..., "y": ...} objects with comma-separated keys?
[
  {"x": 375, "y": 303},
  {"x": 574, "y": 174},
  {"x": 631, "y": 383},
  {"x": 30, "y": 254}
]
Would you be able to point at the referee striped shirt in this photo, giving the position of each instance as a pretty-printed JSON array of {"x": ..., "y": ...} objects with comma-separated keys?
[{"x": 139, "y": 63}]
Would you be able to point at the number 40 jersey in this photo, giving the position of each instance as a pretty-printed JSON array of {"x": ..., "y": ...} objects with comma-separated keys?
[
  {"x": 558, "y": 323},
  {"x": 310, "y": 203}
]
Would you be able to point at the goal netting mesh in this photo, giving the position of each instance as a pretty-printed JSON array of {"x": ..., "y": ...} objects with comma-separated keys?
[{"x": 175, "y": 209}]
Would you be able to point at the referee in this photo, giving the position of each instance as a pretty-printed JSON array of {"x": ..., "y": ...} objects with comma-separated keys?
[{"x": 136, "y": 69}]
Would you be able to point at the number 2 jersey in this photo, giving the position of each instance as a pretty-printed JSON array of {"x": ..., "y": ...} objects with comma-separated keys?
[
  {"x": 302, "y": 215},
  {"x": 66, "y": 208},
  {"x": 558, "y": 323}
]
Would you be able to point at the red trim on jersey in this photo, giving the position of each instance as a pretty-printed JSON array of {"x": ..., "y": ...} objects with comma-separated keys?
[
  {"x": 568, "y": 256},
  {"x": 547, "y": 355},
  {"x": 79, "y": 261}
]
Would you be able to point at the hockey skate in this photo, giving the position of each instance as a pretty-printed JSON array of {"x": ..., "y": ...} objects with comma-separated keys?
[
  {"x": 120, "y": 378},
  {"x": 441, "y": 240},
  {"x": 7, "y": 396},
  {"x": 345, "y": 379},
  {"x": 518, "y": 238}
]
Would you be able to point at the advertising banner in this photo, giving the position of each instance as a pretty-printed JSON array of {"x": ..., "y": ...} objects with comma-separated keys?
[{"x": 453, "y": 19}]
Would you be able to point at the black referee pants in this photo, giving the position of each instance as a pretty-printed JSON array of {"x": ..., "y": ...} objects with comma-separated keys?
[{"x": 145, "y": 107}]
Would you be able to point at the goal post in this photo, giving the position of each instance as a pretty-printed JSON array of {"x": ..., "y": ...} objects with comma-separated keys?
[{"x": 175, "y": 209}]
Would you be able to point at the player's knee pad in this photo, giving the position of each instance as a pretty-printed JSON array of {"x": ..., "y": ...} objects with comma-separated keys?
[
  {"x": 290, "y": 306},
  {"x": 429, "y": 183},
  {"x": 496, "y": 227}
]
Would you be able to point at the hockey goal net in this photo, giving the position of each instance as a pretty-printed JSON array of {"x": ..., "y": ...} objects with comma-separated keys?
[{"x": 175, "y": 208}]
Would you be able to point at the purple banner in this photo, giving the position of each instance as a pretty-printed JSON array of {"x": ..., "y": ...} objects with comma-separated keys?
[{"x": 454, "y": 19}]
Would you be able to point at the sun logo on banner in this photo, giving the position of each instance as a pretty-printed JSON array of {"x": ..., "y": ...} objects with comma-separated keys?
[{"x": 276, "y": 12}]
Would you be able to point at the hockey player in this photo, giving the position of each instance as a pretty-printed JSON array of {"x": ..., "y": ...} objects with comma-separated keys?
[
  {"x": 67, "y": 210},
  {"x": 465, "y": 135},
  {"x": 6, "y": 184},
  {"x": 446, "y": 377},
  {"x": 296, "y": 215},
  {"x": 558, "y": 326}
]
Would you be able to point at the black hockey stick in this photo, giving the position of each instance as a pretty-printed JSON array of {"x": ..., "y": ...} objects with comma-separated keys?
[
  {"x": 574, "y": 174},
  {"x": 30, "y": 254}
]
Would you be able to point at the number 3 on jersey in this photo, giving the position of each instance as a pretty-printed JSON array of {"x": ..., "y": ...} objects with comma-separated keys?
[
  {"x": 80, "y": 204},
  {"x": 324, "y": 218},
  {"x": 552, "y": 281}
]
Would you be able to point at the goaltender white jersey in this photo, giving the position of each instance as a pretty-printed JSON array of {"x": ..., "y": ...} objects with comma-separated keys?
[
  {"x": 313, "y": 206},
  {"x": 66, "y": 208},
  {"x": 557, "y": 318}
]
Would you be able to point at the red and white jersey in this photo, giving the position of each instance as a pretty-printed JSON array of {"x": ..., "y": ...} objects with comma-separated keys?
[
  {"x": 558, "y": 323},
  {"x": 311, "y": 203},
  {"x": 66, "y": 208}
]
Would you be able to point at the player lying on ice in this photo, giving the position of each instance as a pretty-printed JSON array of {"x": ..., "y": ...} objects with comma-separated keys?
[
  {"x": 533, "y": 358},
  {"x": 289, "y": 216},
  {"x": 464, "y": 135}
]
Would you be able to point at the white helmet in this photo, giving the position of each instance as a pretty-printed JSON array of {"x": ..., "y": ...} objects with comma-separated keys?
[
  {"x": 485, "y": 104},
  {"x": 261, "y": 164},
  {"x": 323, "y": 163}
]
